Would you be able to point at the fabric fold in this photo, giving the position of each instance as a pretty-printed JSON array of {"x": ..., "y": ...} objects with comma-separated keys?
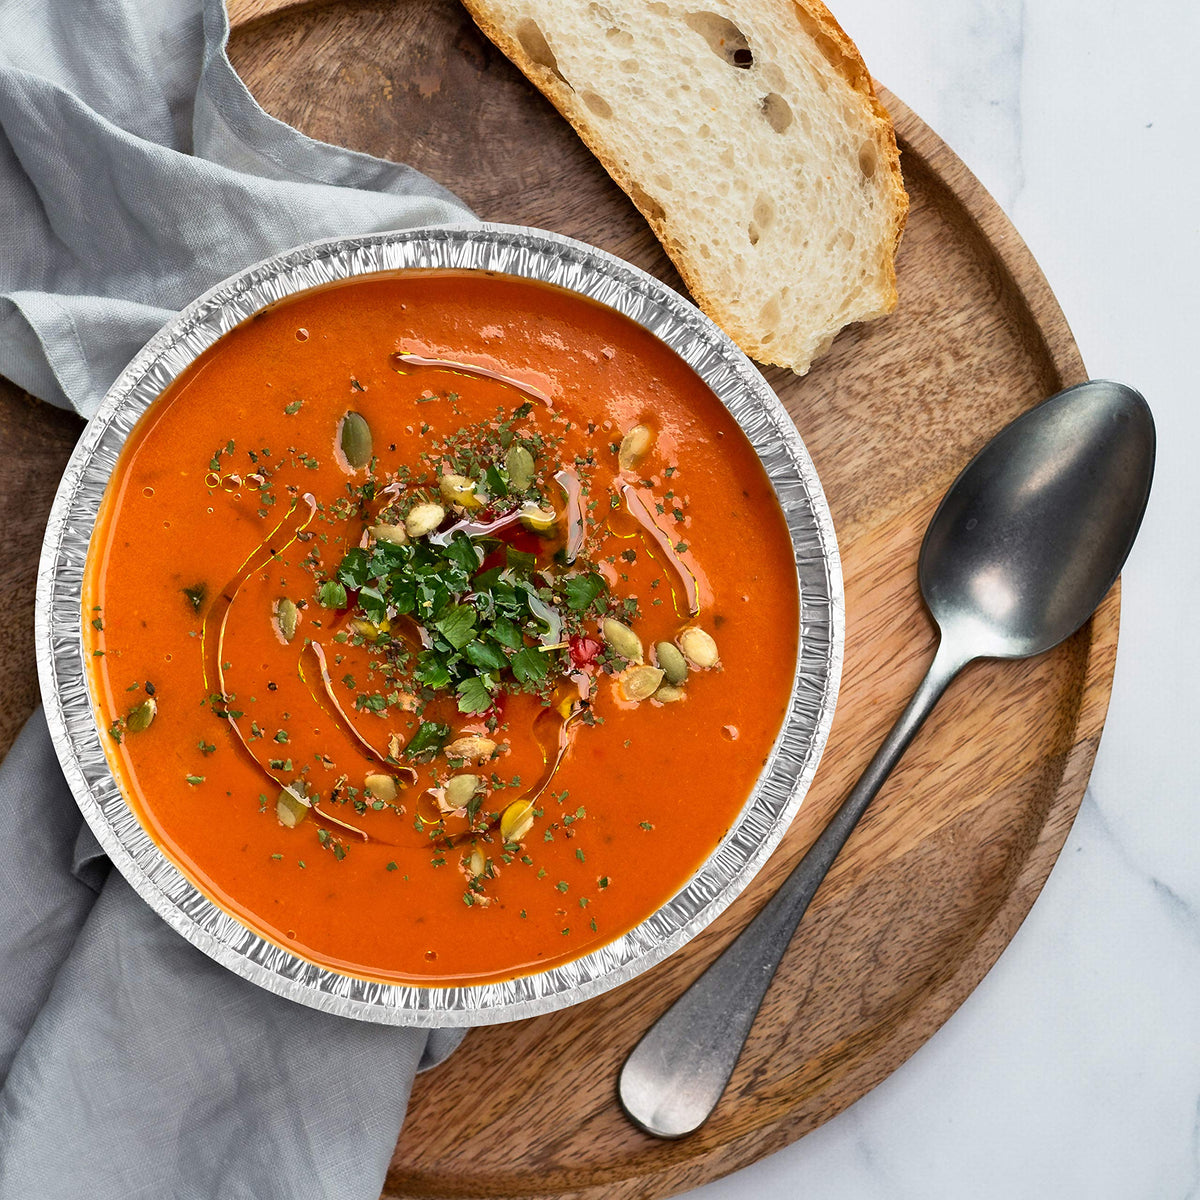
[
  {"x": 152, "y": 1071},
  {"x": 114, "y": 218}
]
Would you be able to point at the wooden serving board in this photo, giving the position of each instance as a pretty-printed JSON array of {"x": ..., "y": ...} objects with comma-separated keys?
[{"x": 946, "y": 864}]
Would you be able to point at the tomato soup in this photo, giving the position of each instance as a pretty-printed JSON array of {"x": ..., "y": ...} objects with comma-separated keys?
[{"x": 440, "y": 624}]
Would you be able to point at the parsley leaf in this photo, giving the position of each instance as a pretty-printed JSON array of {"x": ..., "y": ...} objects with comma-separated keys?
[
  {"x": 507, "y": 634},
  {"x": 457, "y": 625},
  {"x": 429, "y": 739},
  {"x": 485, "y": 655},
  {"x": 581, "y": 590},
  {"x": 473, "y": 695},
  {"x": 530, "y": 665},
  {"x": 462, "y": 553},
  {"x": 431, "y": 670},
  {"x": 495, "y": 481},
  {"x": 371, "y": 601},
  {"x": 354, "y": 570},
  {"x": 332, "y": 594}
]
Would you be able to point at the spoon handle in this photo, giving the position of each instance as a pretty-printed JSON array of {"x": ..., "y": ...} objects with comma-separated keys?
[{"x": 675, "y": 1075}]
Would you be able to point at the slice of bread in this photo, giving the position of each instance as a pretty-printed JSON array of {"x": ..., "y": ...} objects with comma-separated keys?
[{"x": 750, "y": 137}]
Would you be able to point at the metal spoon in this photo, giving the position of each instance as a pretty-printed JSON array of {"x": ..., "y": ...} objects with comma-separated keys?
[{"x": 1019, "y": 554}]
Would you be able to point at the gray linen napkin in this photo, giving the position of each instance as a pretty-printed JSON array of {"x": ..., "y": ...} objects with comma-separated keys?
[{"x": 135, "y": 172}]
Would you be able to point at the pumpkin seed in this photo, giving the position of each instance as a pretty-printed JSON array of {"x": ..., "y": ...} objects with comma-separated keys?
[
  {"x": 423, "y": 519},
  {"x": 290, "y": 808},
  {"x": 634, "y": 446},
  {"x": 537, "y": 518},
  {"x": 458, "y": 489},
  {"x": 519, "y": 463},
  {"x": 354, "y": 437},
  {"x": 699, "y": 648},
  {"x": 394, "y": 535},
  {"x": 381, "y": 787},
  {"x": 140, "y": 715},
  {"x": 668, "y": 694},
  {"x": 477, "y": 863},
  {"x": 622, "y": 639},
  {"x": 461, "y": 790},
  {"x": 287, "y": 617},
  {"x": 471, "y": 748},
  {"x": 673, "y": 663},
  {"x": 516, "y": 820},
  {"x": 640, "y": 683}
]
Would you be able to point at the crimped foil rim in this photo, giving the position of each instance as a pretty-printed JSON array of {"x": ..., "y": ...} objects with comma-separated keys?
[{"x": 513, "y": 250}]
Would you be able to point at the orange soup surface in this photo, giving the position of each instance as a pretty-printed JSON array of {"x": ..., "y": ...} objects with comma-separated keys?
[{"x": 440, "y": 624}]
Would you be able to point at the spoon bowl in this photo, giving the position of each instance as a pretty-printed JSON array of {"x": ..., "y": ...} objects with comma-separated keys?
[
  {"x": 1022, "y": 549},
  {"x": 1034, "y": 531}
]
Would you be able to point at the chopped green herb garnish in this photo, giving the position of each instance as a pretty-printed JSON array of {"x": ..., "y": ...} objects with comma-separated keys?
[
  {"x": 331, "y": 594},
  {"x": 582, "y": 590},
  {"x": 473, "y": 695},
  {"x": 196, "y": 595},
  {"x": 428, "y": 740}
]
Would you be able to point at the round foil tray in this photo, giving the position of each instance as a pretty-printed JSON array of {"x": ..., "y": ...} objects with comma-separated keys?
[{"x": 511, "y": 250}]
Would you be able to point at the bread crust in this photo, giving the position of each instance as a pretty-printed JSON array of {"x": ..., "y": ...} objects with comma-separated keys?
[
  {"x": 854, "y": 70},
  {"x": 844, "y": 58}
]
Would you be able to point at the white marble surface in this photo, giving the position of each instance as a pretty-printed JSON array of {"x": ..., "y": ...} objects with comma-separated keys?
[{"x": 1074, "y": 1069}]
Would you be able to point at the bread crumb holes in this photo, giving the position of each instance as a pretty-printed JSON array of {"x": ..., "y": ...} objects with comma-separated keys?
[
  {"x": 777, "y": 111},
  {"x": 724, "y": 38},
  {"x": 597, "y": 104}
]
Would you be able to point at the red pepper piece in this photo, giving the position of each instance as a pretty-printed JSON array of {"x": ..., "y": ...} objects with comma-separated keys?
[{"x": 584, "y": 650}]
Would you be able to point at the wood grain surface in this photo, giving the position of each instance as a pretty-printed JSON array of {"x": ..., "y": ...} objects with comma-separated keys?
[{"x": 940, "y": 873}]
